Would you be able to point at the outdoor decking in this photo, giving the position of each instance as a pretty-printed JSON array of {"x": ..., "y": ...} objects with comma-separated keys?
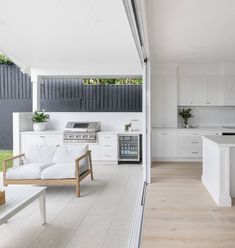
[{"x": 102, "y": 217}]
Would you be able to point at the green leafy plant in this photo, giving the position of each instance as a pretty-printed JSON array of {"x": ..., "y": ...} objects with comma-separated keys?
[
  {"x": 185, "y": 114},
  {"x": 4, "y": 60},
  {"x": 112, "y": 81},
  {"x": 40, "y": 116}
]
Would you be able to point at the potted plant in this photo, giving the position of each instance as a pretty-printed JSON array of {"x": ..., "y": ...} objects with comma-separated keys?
[
  {"x": 185, "y": 114},
  {"x": 39, "y": 120}
]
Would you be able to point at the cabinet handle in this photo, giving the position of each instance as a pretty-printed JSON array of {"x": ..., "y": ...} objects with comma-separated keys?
[
  {"x": 42, "y": 136},
  {"x": 107, "y": 137},
  {"x": 194, "y": 152},
  {"x": 195, "y": 142},
  {"x": 194, "y": 133},
  {"x": 107, "y": 145}
]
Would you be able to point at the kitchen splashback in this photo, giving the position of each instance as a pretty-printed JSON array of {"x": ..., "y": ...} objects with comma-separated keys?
[{"x": 211, "y": 116}]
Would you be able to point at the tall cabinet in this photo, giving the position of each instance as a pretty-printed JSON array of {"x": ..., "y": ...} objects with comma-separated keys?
[{"x": 164, "y": 101}]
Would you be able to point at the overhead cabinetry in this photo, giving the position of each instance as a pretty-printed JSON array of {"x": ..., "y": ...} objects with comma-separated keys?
[
  {"x": 164, "y": 100},
  {"x": 199, "y": 90}
]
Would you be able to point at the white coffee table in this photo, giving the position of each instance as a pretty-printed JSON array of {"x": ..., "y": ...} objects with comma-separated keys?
[{"x": 19, "y": 197}]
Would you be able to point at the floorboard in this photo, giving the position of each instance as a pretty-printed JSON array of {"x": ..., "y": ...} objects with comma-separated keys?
[
  {"x": 179, "y": 212},
  {"x": 101, "y": 218}
]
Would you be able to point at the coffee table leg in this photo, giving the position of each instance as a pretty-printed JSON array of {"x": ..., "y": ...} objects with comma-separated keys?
[{"x": 42, "y": 203}]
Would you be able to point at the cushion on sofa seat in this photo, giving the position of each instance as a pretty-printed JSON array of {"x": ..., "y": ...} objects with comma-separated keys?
[
  {"x": 27, "y": 171},
  {"x": 39, "y": 154},
  {"x": 62, "y": 171},
  {"x": 68, "y": 154}
]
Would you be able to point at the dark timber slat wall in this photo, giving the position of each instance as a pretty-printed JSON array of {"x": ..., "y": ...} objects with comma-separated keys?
[
  {"x": 71, "y": 92},
  {"x": 93, "y": 98},
  {"x": 13, "y": 83}
]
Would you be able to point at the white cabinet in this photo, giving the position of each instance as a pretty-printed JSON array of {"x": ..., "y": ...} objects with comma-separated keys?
[
  {"x": 40, "y": 138},
  {"x": 214, "y": 90},
  {"x": 164, "y": 144},
  {"x": 164, "y": 101},
  {"x": 190, "y": 143},
  {"x": 108, "y": 150},
  {"x": 229, "y": 91},
  {"x": 197, "y": 90}
]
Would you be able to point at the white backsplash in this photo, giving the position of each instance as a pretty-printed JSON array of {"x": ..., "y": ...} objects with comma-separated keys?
[{"x": 211, "y": 116}]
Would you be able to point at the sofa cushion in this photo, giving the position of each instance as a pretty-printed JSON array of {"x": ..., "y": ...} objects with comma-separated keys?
[
  {"x": 39, "y": 154},
  {"x": 68, "y": 154},
  {"x": 27, "y": 171},
  {"x": 62, "y": 171}
]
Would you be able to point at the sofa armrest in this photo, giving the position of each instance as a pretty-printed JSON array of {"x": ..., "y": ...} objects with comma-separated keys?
[
  {"x": 77, "y": 162},
  {"x": 4, "y": 164}
]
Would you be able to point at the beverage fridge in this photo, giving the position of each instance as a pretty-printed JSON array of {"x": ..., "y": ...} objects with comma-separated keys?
[{"x": 129, "y": 148}]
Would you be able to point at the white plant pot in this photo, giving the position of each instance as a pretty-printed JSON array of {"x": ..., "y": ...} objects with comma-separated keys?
[{"x": 39, "y": 126}]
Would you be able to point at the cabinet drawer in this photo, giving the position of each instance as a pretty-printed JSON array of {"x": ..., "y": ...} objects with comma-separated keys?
[
  {"x": 190, "y": 151},
  {"x": 190, "y": 141},
  {"x": 108, "y": 155},
  {"x": 108, "y": 139},
  {"x": 108, "y": 147}
]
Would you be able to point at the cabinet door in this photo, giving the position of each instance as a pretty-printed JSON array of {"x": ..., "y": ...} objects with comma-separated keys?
[
  {"x": 158, "y": 143},
  {"x": 29, "y": 139},
  {"x": 213, "y": 90},
  {"x": 94, "y": 151},
  {"x": 199, "y": 90},
  {"x": 171, "y": 144},
  {"x": 229, "y": 90},
  {"x": 170, "y": 101},
  {"x": 53, "y": 139},
  {"x": 157, "y": 98},
  {"x": 184, "y": 91}
]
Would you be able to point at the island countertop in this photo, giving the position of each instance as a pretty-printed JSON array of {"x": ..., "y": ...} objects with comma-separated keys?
[{"x": 221, "y": 140}]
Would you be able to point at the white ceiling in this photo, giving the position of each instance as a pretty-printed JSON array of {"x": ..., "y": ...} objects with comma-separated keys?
[
  {"x": 191, "y": 31},
  {"x": 67, "y": 33}
]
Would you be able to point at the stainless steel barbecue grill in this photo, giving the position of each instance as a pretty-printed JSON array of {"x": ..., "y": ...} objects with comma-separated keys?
[{"x": 81, "y": 132}]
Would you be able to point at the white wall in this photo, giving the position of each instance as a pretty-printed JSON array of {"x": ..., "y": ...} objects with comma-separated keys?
[{"x": 109, "y": 121}]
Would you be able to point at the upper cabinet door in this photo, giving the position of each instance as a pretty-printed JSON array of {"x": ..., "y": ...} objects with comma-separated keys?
[
  {"x": 170, "y": 101},
  {"x": 229, "y": 91},
  {"x": 157, "y": 98},
  {"x": 214, "y": 90},
  {"x": 199, "y": 90},
  {"x": 184, "y": 91}
]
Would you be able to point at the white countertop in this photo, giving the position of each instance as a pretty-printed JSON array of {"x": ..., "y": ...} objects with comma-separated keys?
[
  {"x": 221, "y": 140},
  {"x": 62, "y": 131},
  {"x": 202, "y": 128},
  {"x": 44, "y": 132}
]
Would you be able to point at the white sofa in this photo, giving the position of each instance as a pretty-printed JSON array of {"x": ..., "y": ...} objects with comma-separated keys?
[{"x": 50, "y": 165}]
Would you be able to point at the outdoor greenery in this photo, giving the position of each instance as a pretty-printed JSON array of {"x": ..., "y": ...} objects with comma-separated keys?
[
  {"x": 5, "y": 60},
  {"x": 4, "y": 154},
  {"x": 112, "y": 81},
  {"x": 185, "y": 114},
  {"x": 40, "y": 116}
]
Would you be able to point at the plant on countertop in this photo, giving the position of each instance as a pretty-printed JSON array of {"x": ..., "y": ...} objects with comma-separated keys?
[
  {"x": 40, "y": 116},
  {"x": 4, "y": 60},
  {"x": 185, "y": 114}
]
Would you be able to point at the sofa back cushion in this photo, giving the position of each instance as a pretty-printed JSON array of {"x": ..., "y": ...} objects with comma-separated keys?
[
  {"x": 68, "y": 154},
  {"x": 40, "y": 154}
]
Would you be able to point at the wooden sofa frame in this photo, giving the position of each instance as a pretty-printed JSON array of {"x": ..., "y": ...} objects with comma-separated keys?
[{"x": 70, "y": 181}]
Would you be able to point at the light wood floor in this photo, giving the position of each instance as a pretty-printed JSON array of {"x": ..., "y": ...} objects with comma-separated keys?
[
  {"x": 180, "y": 213},
  {"x": 101, "y": 218}
]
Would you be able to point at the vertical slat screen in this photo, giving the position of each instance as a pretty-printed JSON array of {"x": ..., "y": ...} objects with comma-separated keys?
[{"x": 88, "y": 98}]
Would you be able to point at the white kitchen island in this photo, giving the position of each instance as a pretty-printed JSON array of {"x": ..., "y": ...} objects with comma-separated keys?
[{"x": 219, "y": 168}]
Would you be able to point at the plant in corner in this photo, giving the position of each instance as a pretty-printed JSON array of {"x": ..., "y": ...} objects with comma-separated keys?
[
  {"x": 185, "y": 114},
  {"x": 39, "y": 119}
]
